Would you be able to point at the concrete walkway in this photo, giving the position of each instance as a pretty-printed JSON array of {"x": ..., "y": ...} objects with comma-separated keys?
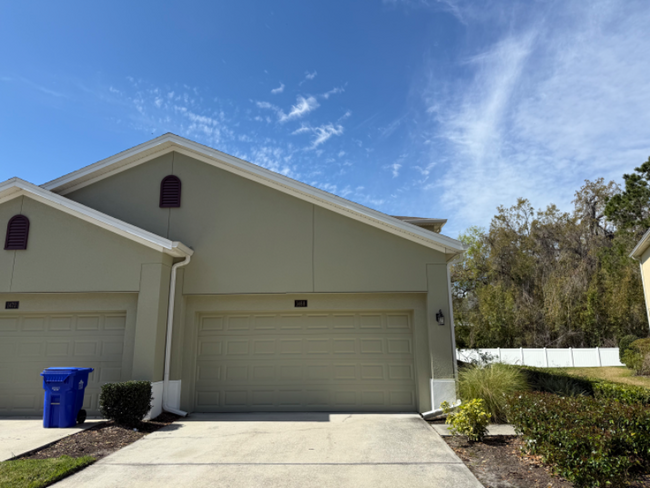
[
  {"x": 284, "y": 450},
  {"x": 18, "y": 436}
]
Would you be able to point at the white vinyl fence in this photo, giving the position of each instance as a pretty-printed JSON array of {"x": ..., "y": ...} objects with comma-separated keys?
[{"x": 546, "y": 357}]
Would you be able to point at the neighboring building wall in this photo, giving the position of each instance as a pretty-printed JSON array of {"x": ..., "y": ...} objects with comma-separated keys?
[{"x": 645, "y": 272}]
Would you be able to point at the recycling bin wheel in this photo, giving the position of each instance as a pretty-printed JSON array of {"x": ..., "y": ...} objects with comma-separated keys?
[{"x": 81, "y": 416}]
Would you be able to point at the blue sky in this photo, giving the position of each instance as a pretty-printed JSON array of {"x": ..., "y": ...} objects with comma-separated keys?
[{"x": 413, "y": 107}]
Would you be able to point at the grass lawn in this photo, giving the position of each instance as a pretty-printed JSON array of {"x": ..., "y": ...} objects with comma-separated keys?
[
  {"x": 617, "y": 374},
  {"x": 37, "y": 473}
]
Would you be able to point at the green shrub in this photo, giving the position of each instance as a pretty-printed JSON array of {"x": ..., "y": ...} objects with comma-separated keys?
[
  {"x": 624, "y": 345},
  {"x": 591, "y": 442},
  {"x": 470, "y": 419},
  {"x": 562, "y": 384},
  {"x": 636, "y": 356},
  {"x": 126, "y": 403},
  {"x": 627, "y": 394},
  {"x": 491, "y": 383}
]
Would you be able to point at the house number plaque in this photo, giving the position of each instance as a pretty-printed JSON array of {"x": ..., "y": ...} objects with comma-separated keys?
[
  {"x": 300, "y": 303},
  {"x": 14, "y": 305}
]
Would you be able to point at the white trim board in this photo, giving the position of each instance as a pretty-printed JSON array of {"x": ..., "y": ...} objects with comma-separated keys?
[
  {"x": 15, "y": 187},
  {"x": 170, "y": 142}
]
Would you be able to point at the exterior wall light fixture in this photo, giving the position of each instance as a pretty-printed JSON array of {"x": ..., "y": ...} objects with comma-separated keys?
[{"x": 440, "y": 318}]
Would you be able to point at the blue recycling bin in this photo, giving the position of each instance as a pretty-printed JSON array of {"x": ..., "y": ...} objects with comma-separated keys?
[{"x": 64, "y": 396}]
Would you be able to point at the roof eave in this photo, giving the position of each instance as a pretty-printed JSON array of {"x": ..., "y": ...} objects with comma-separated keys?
[
  {"x": 15, "y": 187},
  {"x": 641, "y": 246}
]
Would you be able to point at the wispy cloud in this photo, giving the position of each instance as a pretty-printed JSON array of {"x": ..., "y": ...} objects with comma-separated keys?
[
  {"x": 333, "y": 91},
  {"x": 561, "y": 97},
  {"x": 279, "y": 89},
  {"x": 35, "y": 86},
  {"x": 324, "y": 132},
  {"x": 320, "y": 134},
  {"x": 268, "y": 105},
  {"x": 308, "y": 77},
  {"x": 302, "y": 107}
]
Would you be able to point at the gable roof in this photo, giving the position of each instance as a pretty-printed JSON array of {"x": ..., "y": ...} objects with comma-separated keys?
[
  {"x": 171, "y": 142},
  {"x": 15, "y": 187}
]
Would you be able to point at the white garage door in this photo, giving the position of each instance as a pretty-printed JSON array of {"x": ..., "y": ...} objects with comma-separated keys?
[
  {"x": 32, "y": 342},
  {"x": 336, "y": 361}
]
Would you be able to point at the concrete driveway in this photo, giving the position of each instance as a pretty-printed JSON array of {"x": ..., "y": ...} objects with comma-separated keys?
[
  {"x": 284, "y": 450},
  {"x": 19, "y": 436}
]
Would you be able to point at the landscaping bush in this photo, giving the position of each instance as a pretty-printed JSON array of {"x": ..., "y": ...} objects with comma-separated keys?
[
  {"x": 470, "y": 419},
  {"x": 637, "y": 356},
  {"x": 624, "y": 345},
  {"x": 591, "y": 442},
  {"x": 491, "y": 383},
  {"x": 126, "y": 403},
  {"x": 623, "y": 393}
]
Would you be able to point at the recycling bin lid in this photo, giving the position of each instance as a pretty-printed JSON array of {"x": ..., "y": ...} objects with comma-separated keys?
[
  {"x": 59, "y": 375},
  {"x": 53, "y": 376},
  {"x": 61, "y": 370}
]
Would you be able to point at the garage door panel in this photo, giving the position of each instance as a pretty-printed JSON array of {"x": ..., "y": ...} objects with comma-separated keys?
[
  {"x": 210, "y": 347},
  {"x": 211, "y": 323},
  {"x": 8, "y": 324},
  {"x": 88, "y": 322},
  {"x": 326, "y": 361},
  {"x": 29, "y": 343}
]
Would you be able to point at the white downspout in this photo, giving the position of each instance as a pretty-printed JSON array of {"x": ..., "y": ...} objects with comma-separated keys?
[{"x": 168, "y": 343}]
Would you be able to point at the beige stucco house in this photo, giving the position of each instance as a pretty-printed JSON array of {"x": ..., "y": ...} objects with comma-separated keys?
[{"x": 229, "y": 286}]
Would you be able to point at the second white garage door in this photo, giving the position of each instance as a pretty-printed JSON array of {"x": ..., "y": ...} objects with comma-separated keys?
[{"x": 343, "y": 361}]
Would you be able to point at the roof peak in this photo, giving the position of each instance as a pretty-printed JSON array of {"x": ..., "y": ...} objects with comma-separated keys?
[{"x": 169, "y": 142}]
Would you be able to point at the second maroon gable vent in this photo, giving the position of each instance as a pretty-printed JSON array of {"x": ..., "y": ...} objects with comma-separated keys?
[{"x": 170, "y": 192}]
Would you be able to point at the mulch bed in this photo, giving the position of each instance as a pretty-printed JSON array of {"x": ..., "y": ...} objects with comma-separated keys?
[
  {"x": 498, "y": 462},
  {"x": 101, "y": 440}
]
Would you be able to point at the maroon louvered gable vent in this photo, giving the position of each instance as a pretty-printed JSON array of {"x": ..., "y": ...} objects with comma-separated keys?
[
  {"x": 170, "y": 192},
  {"x": 17, "y": 233}
]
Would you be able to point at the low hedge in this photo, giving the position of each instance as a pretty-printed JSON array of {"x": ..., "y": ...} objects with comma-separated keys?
[
  {"x": 564, "y": 384},
  {"x": 126, "y": 403},
  {"x": 627, "y": 394},
  {"x": 591, "y": 441}
]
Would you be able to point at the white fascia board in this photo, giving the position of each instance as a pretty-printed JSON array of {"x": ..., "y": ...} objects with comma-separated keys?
[
  {"x": 171, "y": 142},
  {"x": 16, "y": 187},
  {"x": 641, "y": 246}
]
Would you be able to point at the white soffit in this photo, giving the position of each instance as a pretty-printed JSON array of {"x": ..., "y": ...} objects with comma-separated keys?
[
  {"x": 15, "y": 187},
  {"x": 170, "y": 142}
]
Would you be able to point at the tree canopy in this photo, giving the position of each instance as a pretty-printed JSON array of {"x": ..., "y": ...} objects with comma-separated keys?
[{"x": 547, "y": 278}]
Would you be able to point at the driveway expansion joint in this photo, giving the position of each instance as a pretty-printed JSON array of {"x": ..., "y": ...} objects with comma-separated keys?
[{"x": 406, "y": 463}]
